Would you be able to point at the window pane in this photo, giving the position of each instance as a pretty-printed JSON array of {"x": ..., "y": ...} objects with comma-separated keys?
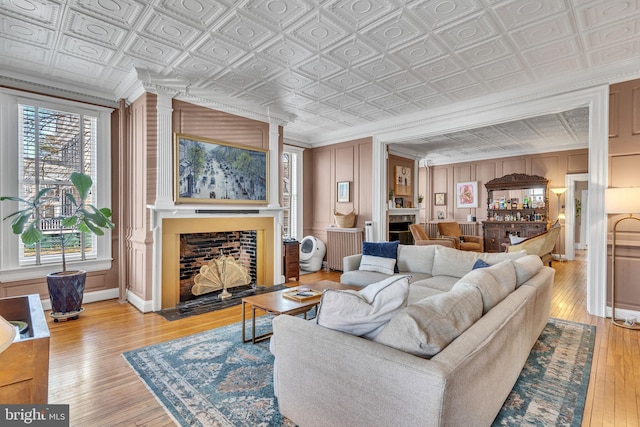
[{"x": 53, "y": 145}]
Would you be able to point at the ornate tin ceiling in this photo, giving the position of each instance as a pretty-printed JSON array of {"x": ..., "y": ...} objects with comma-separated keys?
[{"x": 325, "y": 65}]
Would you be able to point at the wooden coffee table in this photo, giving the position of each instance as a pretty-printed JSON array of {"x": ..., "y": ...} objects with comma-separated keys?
[{"x": 275, "y": 303}]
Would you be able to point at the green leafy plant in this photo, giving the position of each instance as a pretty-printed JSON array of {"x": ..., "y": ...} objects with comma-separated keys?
[
  {"x": 391, "y": 194},
  {"x": 420, "y": 198},
  {"x": 82, "y": 217}
]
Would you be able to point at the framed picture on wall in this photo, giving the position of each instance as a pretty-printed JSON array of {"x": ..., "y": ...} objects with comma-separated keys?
[
  {"x": 440, "y": 199},
  {"x": 343, "y": 192},
  {"x": 467, "y": 194},
  {"x": 209, "y": 171},
  {"x": 403, "y": 181}
]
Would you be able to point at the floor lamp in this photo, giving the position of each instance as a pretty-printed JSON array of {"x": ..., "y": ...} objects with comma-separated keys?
[
  {"x": 621, "y": 201},
  {"x": 559, "y": 192}
]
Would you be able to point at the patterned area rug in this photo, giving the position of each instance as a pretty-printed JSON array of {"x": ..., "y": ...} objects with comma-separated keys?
[{"x": 212, "y": 379}]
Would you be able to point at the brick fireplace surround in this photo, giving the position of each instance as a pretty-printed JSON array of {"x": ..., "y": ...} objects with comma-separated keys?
[{"x": 172, "y": 228}]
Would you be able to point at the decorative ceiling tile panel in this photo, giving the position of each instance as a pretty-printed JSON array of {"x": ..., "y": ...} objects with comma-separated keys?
[
  {"x": 347, "y": 80},
  {"x": 518, "y": 13},
  {"x": 359, "y": 13},
  {"x": 278, "y": 13},
  {"x": 318, "y": 31},
  {"x": 618, "y": 33},
  {"x": 194, "y": 67},
  {"x": 401, "y": 81},
  {"x": 418, "y": 52},
  {"x": 243, "y": 31},
  {"x": 95, "y": 30},
  {"x": 152, "y": 51},
  {"x": 287, "y": 52},
  {"x": 86, "y": 50},
  {"x": 394, "y": 32},
  {"x": 438, "y": 69},
  {"x": 442, "y": 12},
  {"x": 170, "y": 31},
  {"x": 42, "y": 12},
  {"x": 470, "y": 31},
  {"x": 499, "y": 68},
  {"x": 25, "y": 31},
  {"x": 353, "y": 51},
  {"x": 200, "y": 12},
  {"x": 16, "y": 52},
  {"x": 607, "y": 12},
  {"x": 79, "y": 68},
  {"x": 618, "y": 52},
  {"x": 547, "y": 31},
  {"x": 215, "y": 49},
  {"x": 122, "y": 12},
  {"x": 485, "y": 52},
  {"x": 556, "y": 51}
]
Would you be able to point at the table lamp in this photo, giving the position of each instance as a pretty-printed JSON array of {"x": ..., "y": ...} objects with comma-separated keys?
[
  {"x": 7, "y": 334},
  {"x": 620, "y": 201}
]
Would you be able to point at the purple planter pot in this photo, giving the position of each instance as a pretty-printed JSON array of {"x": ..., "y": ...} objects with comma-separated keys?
[{"x": 66, "y": 290}]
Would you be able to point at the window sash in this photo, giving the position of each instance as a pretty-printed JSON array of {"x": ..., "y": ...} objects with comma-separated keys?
[{"x": 53, "y": 143}]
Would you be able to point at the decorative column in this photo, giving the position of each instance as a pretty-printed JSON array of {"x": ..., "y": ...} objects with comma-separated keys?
[{"x": 164, "y": 168}]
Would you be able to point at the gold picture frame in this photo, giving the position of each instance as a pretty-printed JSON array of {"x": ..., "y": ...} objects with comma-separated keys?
[
  {"x": 210, "y": 171},
  {"x": 403, "y": 183}
]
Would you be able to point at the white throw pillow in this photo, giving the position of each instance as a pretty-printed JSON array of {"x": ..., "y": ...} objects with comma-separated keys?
[
  {"x": 515, "y": 239},
  {"x": 426, "y": 327},
  {"x": 377, "y": 263},
  {"x": 364, "y": 312}
]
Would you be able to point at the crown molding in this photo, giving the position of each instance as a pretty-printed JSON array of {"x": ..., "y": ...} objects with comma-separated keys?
[{"x": 54, "y": 88}]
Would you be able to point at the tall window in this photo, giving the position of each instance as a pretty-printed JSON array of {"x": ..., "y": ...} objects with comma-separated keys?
[
  {"x": 290, "y": 193},
  {"x": 52, "y": 145}
]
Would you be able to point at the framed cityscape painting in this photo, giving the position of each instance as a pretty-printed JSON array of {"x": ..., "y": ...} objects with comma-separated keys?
[{"x": 209, "y": 171}]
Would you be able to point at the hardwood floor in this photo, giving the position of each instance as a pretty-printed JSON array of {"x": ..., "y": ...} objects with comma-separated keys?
[{"x": 88, "y": 372}]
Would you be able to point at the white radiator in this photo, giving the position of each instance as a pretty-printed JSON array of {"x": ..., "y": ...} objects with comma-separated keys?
[{"x": 342, "y": 242}]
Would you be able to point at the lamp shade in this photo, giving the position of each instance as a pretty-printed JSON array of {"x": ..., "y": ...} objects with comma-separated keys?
[
  {"x": 622, "y": 200},
  {"x": 558, "y": 191},
  {"x": 7, "y": 334}
]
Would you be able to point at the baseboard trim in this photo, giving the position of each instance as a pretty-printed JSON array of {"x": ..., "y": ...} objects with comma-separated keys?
[
  {"x": 139, "y": 303},
  {"x": 88, "y": 297}
]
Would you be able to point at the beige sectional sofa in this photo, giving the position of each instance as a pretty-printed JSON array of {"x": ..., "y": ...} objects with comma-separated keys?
[{"x": 324, "y": 377}]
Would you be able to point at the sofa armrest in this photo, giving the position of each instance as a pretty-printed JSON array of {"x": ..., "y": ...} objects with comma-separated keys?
[
  {"x": 351, "y": 262},
  {"x": 319, "y": 371}
]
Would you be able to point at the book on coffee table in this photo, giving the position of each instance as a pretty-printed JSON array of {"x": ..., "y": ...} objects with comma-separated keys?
[{"x": 301, "y": 294}]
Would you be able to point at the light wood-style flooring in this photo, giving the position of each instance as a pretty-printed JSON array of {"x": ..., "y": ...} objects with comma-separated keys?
[{"x": 88, "y": 372}]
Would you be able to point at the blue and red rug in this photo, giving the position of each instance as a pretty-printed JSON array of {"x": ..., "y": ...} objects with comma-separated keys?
[{"x": 211, "y": 378}]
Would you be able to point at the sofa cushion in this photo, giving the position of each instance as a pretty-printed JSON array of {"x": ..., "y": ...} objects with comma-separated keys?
[
  {"x": 426, "y": 327},
  {"x": 376, "y": 263},
  {"x": 364, "y": 312},
  {"x": 382, "y": 249},
  {"x": 452, "y": 262},
  {"x": 494, "y": 283},
  {"x": 514, "y": 240},
  {"x": 526, "y": 267},
  {"x": 362, "y": 278},
  {"x": 416, "y": 259}
]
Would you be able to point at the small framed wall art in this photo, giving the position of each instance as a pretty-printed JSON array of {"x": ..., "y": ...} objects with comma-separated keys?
[
  {"x": 344, "y": 192},
  {"x": 440, "y": 199},
  {"x": 467, "y": 194}
]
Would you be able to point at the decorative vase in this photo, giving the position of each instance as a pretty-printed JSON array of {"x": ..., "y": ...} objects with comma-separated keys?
[
  {"x": 65, "y": 291},
  {"x": 392, "y": 204}
]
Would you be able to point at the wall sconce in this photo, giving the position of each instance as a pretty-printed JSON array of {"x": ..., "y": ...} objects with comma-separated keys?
[{"x": 621, "y": 201}]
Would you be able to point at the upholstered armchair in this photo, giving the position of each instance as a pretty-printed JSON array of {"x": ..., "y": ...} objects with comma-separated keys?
[
  {"x": 421, "y": 238},
  {"x": 462, "y": 242}
]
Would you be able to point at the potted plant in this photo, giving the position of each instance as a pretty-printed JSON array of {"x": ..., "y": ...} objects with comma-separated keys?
[
  {"x": 420, "y": 199},
  {"x": 66, "y": 288}
]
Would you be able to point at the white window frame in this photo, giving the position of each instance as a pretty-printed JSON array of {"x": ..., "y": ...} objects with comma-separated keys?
[
  {"x": 296, "y": 190},
  {"x": 10, "y": 268}
]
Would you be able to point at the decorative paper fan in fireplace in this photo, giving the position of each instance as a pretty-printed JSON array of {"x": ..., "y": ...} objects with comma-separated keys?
[{"x": 221, "y": 273}]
